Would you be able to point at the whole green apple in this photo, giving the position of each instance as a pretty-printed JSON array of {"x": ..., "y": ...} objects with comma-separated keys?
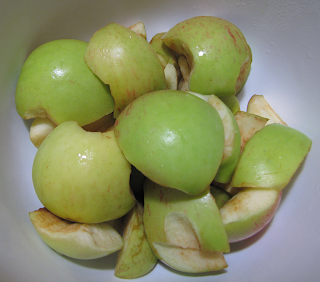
[
  {"x": 55, "y": 83},
  {"x": 82, "y": 176},
  {"x": 217, "y": 53},
  {"x": 174, "y": 138},
  {"x": 126, "y": 62},
  {"x": 271, "y": 157},
  {"x": 249, "y": 211}
]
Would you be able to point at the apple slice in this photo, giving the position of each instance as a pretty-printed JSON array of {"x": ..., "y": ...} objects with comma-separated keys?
[
  {"x": 271, "y": 157},
  {"x": 232, "y": 138},
  {"x": 190, "y": 260},
  {"x": 171, "y": 216},
  {"x": 170, "y": 73},
  {"x": 140, "y": 29},
  {"x": 248, "y": 124},
  {"x": 136, "y": 258},
  {"x": 40, "y": 129},
  {"x": 220, "y": 195},
  {"x": 258, "y": 105},
  {"x": 246, "y": 213},
  {"x": 76, "y": 240},
  {"x": 231, "y": 102},
  {"x": 126, "y": 62}
]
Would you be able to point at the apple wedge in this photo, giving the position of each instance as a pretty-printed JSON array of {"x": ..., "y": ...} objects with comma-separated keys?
[
  {"x": 248, "y": 124},
  {"x": 258, "y": 105},
  {"x": 232, "y": 103},
  {"x": 136, "y": 258},
  {"x": 271, "y": 157},
  {"x": 249, "y": 211},
  {"x": 76, "y": 240},
  {"x": 220, "y": 195},
  {"x": 190, "y": 260},
  {"x": 232, "y": 138}
]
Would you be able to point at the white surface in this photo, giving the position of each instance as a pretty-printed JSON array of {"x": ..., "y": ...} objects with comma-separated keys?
[{"x": 284, "y": 39}]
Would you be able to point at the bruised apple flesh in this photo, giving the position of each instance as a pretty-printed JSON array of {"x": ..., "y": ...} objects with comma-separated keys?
[
  {"x": 55, "y": 83},
  {"x": 217, "y": 53},
  {"x": 82, "y": 176},
  {"x": 172, "y": 137}
]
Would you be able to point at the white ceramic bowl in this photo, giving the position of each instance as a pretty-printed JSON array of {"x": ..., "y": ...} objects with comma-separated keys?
[{"x": 284, "y": 37}]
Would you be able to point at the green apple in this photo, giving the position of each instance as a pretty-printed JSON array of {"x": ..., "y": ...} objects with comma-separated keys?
[
  {"x": 220, "y": 195},
  {"x": 258, "y": 105},
  {"x": 232, "y": 138},
  {"x": 249, "y": 124},
  {"x": 55, "y": 83},
  {"x": 126, "y": 62},
  {"x": 271, "y": 157},
  {"x": 136, "y": 258},
  {"x": 82, "y": 176},
  {"x": 249, "y": 211},
  {"x": 76, "y": 240},
  {"x": 174, "y": 138},
  {"x": 217, "y": 53},
  {"x": 174, "y": 217},
  {"x": 185, "y": 232}
]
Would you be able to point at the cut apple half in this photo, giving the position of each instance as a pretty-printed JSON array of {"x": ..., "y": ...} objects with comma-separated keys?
[
  {"x": 76, "y": 240},
  {"x": 232, "y": 138},
  {"x": 249, "y": 211},
  {"x": 136, "y": 258},
  {"x": 258, "y": 105}
]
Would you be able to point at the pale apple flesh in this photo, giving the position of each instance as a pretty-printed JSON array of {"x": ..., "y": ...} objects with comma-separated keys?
[
  {"x": 136, "y": 258},
  {"x": 76, "y": 240},
  {"x": 40, "y": 129},
  {"x": 140, "y": 29},
  {"x": 249, "y": 211}
]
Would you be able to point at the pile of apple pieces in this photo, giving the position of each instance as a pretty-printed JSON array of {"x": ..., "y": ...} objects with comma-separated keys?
[{"x": 168, "y": 227}]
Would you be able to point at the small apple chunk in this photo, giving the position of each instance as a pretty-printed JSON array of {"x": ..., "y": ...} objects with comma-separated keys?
[
  {"x": 232, "y": 138},
  {"x": 126, "y": 62},
  {"x": 248, "y": 124},
  {"x": 172, "y": 137},
  {"x": 140, "y": 29},
  {"x": 220, "y": 195},
  {"x": 217, "y": 53},
  {"x": 248, "y": 212},
  {"x": 271, "y": 157},
  {"x": 258, "y": 105},
  {"x": 55, "y": 83},
  {"x": 76, "y": 240},
  {"x": 171, "y": 216},
  {"x": 82, "y": 176},
  {"x": 40, "y": 129},
  {"x": 136, "y": 258}
]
